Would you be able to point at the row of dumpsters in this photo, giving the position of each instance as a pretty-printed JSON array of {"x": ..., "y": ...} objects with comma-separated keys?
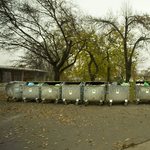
[{"x": 75, "y": 92}]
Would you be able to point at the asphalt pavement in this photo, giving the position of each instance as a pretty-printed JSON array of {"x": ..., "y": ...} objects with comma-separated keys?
[
  {"x": 2, "y": 89},
  {"x": 68, "y": 127}
]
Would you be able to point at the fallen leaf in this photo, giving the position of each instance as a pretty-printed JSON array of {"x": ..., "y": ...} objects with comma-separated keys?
[
  {"x": 128, "y": 139},
  {"x": 29, "y": 142},
  {"x": 6, "y": 136},
  {"x": 25, "y": 147},
  {"x": 90, "y": 140}
]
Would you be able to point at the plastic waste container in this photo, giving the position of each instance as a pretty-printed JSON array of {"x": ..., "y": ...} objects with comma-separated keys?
[
  {"x": 31, "y": 90},
  {"x": 13, "y": 90},
  {"x": 51, "y": 91},
  {"x": 95, "y": 91},
  {"x": 142, "y": 91},
  {"x": 118, "y": 93},
  {"x": 72, "y": 91}
]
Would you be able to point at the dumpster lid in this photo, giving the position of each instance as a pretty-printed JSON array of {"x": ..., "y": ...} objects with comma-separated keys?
[
  {"x": 34, "y": 83},
  {"x": 95, "y": 82},
  {"x": 53, "y": 82},
  {"x": 116, "y": 83},
  {"x": 69, "y": 82},
  {"x": 13, "y": 82},
  {"x": 142, "y": 82}
]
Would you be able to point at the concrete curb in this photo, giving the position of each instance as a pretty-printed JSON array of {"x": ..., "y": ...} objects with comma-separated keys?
[{"x": 142, "y": 146}]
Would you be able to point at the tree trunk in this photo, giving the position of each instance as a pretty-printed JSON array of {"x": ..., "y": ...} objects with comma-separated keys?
[
  {"x": 127, "y": 63},
  {"x": 128, "y": 71},
  {"x": 56, "y": 74},
  {"x": 92, "y": 77},
  {"x": 108, "y": 74},
  {"x": 108, "y": 68}
]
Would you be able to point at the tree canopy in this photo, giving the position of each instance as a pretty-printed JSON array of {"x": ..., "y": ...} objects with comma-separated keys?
[
  {"x": 133, "y": 24},
  {"x": 55, "y": 34},
  {"x": 49, "y": 29}
]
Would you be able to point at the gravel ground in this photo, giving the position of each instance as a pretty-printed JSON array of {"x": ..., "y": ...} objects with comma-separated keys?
[{"x": 49, "y": 126}]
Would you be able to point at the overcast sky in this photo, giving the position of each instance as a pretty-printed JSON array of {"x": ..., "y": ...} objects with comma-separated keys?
[
  {"x": 98, "y": 8},
  {"x": 101, "y": 7}
]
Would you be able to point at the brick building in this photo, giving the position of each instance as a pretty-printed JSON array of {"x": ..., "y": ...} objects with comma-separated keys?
[{"x": 8, "y": 74}]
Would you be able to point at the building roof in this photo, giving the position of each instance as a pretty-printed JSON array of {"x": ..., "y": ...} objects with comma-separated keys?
[{"x": 23, "y": 69}]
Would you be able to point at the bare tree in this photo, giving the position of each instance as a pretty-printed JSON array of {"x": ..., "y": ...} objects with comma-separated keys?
[
  {"x": 92, "y": 74},
  {"x": 135, "y": 26},
  {"x": 50, "y": 29},
  {"x": 33, "y": 61}
]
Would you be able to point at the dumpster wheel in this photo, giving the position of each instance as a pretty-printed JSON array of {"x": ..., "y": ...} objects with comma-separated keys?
[
  {"x": 101, "y": 103},
  {"x": 15, "y": 100},
  {"x": 125, "y": 104},
  {"x": 76, "y": 103},
  {"x": 64, "y": 100},
  {"x": 7, "y": 99},
  {"x": 86, "y": 103},
  {"x": 110, "y": 104},
  {"x": 37, "y": 101},
  {"x": 25, "y": 100},
  {"x": 43, "y": 101},
  {"x": 56, "y": 101}
]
